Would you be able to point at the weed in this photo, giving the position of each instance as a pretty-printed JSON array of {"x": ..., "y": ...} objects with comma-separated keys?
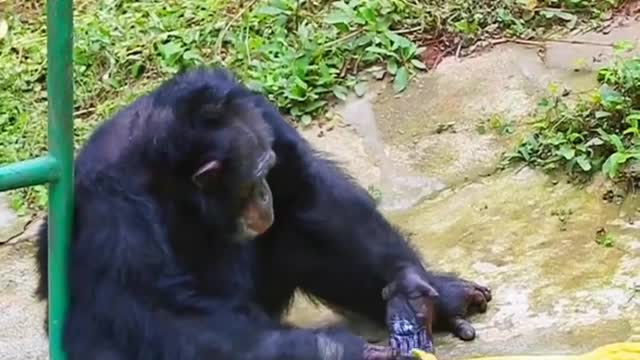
[
  {"x": 599, "y": 133},
  {"x": 375, "y": 193},
  {"x": 604, "y": 238},
  {"x": 446, "y": 127},
  {"x": 497, "y": 124}
]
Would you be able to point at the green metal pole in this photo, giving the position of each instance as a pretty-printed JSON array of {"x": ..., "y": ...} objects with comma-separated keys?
[
  {"x": 60, "y": 96},
  {"x": 28, "y": 173}
]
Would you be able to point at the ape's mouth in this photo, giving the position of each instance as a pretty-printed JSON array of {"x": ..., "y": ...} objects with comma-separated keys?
[{"x": 245, "y": 233}]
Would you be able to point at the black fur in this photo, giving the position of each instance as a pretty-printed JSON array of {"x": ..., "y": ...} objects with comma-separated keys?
[{"x": 152, "y": 274}]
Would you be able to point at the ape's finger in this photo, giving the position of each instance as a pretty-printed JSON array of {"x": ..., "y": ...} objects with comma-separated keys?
[
  {"x": 478, "y": 301},
  {"x": 420, "y": 285},
  {"x": 462, "y": 329},
  {"x": 485, "y": 290},
  {"x": 377, "y": 352},
  {"x": 389, "y": 291},
  {"x": 427, "y": 290},
  {"x": 411, "y": 284}
]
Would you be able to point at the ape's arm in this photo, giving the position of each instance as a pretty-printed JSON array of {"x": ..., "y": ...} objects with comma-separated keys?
[
  {"x": 223, "y": 332},
  {"x": 124, "y": 278},
  {"x": 338, "y": 244},
  {"x": 341, "y": 248},
  {"x": 347, "y": 252}
]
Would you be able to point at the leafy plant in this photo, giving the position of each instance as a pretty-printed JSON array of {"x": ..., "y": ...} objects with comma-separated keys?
[
  {"x": 604, "y": 238},
  {"x": 496, "y": 123},
  {"x": 599, "y": 133},
  {"x": 375, "y": 193}
]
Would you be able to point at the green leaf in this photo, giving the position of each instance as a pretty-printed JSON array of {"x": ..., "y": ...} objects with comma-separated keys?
[
  {"x": 378, "y": 74},
  {"x": 617, "y": 142},
  {"x": 305, "y": 120},
  {"x": 398, "y": 40},
  {"x": 623, "y": 46},
  {"x": 312, "y": 106},
  {"x": 571, "y": 19},
  {"x": 301, "y": 83},
  {"x": 418, "y": 64},
  {"x": 270, "y": 10},
  {"x": 379, "y": 50},
  {"x": 556, "y": 140},
  {"x": 633, "y": 119},
  {"x": 137, "y": 69},
  {"x": 602, "y": 114},
  {"x": 367, "y": 14},
  {"x": 169, "y": 49},
  {"x": 191, "y": 55},
  {"x": 360, "y": 88},
  {"x": 548, "y": 14},
  {"x": 338, "y": 17},
  {"x": 340, "y": 92},
  {"x": 466, "y": 27},
  {"x": 584, "y": 163},
  {"x": 573, "y": 137},
  {"x": 401, "y": 80},
  {"x": 603, "y": 134},
  {"x": 612, "y": 164},
  {"x": 594, "y": 142},
  {"x": 566, "y": 152},
  {"x": 392, "y": 67},
  {"x": 606, "y": 240},
  {"x": 4, "y": 28},
  {"x": 609, "y": 96},
  {"x": 555, "y": 13}
]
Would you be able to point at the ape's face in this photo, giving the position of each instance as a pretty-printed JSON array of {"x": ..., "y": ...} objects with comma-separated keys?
[{"x": 235, "y": 158}]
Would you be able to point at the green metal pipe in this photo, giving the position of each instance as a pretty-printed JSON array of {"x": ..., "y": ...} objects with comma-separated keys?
[
  {"x": 60, "y": 96},
  {"x": 28, "y": 173}
]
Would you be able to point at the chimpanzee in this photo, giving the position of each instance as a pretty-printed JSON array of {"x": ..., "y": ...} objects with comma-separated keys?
[{"x": 199, "y": 211}]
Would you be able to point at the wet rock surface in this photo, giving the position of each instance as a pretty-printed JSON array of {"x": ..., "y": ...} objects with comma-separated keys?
[{"x": 532, "y": 238}]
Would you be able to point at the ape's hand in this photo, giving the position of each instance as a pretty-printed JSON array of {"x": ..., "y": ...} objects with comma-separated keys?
[
  {"x": 377, "y": 352},
  {"x": 458, "y": 298},
  {"x": 410, "y": 312}
]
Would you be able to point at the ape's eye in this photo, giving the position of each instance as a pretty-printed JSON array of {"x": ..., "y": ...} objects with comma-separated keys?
[{"x": 247, "y": 189}]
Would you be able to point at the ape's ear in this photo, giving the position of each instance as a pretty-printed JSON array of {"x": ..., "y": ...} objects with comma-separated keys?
[{"x": 207, "y": 173}]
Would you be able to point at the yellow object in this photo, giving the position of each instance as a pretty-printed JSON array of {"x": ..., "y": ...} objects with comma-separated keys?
[
  {"x": 618, "y": 351},
  {"x": 422, "y": 355}
]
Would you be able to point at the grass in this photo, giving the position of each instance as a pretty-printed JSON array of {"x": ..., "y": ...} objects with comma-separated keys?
[
  {"x": 302, "y": 54},
  {"x": 600, "y": 132}
]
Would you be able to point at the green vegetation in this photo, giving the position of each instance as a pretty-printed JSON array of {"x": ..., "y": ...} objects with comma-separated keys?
[
  {"x": 301, "y": 53},
  {"x": 497, "y": 124},
  {"x": 604, "y": 238},
  {"x": 375, "y": 193},
  {"x": 599, "y": 133}
]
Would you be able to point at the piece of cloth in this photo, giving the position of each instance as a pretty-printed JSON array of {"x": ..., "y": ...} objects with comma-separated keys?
[
  {"x": 617, "y": 351},
  {"x": 408, "y": 325}
]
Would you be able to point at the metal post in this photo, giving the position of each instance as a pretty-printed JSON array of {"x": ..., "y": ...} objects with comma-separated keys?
[
  {"x": 57, "y": 167},
  {"x": 28, "y": 173},
  {"x": 60, "y": 96}
]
